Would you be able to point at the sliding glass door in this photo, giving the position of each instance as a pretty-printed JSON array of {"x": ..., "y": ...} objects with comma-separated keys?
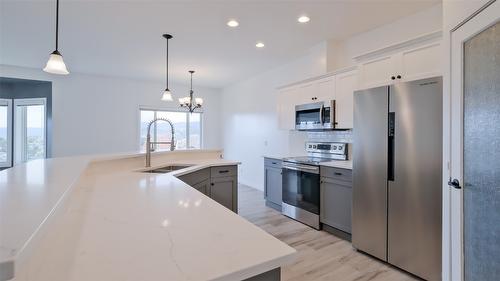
[
  {"x": 5, "y": 133},
  {"x": 29, "y": 129}
]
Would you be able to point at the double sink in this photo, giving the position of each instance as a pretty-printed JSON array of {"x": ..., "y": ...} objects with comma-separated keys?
[{"x": 167, "y": 169}]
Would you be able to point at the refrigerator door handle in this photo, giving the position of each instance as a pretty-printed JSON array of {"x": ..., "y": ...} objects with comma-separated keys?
[{"x": 391, "y": 147}]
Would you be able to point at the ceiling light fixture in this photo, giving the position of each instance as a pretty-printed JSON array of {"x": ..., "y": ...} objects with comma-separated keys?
[
  {"x": 232, "y": 23},
  {"x": 303, "y": 19},
  {"x": 55, "y": 64},
  {"x": 187, "y": 102},
  {"x": 167, "y": 95},
  {"x": 259, "y": 45}
]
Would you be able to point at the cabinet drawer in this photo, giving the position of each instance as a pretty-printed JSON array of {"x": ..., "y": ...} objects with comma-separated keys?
[
  {"x": 223, "y": 171},
  {"x": 272, "y": 162},
  {"x": 196, "y": 177},
  {"x": 336, "y": 173}
]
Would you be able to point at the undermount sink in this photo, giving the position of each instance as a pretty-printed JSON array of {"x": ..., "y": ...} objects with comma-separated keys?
[{"x": 167, "y": 169}]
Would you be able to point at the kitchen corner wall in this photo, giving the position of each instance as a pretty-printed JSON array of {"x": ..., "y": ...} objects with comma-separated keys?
[
  {"x": 98, "y": 114},
  {"x": 249, "y": 118}
]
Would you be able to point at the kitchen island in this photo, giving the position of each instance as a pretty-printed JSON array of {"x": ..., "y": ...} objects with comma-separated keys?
[{"x": 107, "y": 218}]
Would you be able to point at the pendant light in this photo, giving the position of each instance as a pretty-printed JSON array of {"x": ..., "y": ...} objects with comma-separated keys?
[
  {"x": 167, "y": 96},
  {"x": 56, "y": 65},
  {"x": 187, "y": 102}
]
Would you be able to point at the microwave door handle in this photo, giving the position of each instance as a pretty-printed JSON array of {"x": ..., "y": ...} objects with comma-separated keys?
[
  {"x": 333, "y": 112},
  {"x": 321, "y": 114}
]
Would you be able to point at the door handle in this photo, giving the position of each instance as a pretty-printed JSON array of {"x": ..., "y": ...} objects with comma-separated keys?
[
  {"x": 321, "y": 115},
  {"x": 454, "y": 183}
]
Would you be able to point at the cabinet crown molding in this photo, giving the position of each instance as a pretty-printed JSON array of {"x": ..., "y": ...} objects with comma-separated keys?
[
  {"x": 328, "y": 74},
  {"x": 424, "y": 38}
]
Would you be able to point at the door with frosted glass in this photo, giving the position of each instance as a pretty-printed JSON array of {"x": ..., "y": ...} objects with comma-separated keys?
[
  {"x": 5, "y": 133},
  {"x": 29, "y": 130},
  {"x": 475, "y": 148}
]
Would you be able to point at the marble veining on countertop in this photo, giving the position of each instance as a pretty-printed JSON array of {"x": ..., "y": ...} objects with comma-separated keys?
[{"x": 119, "y": 223}]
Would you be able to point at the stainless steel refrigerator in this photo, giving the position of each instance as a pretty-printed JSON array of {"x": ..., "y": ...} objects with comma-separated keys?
[{"x": 397, "y": 160}]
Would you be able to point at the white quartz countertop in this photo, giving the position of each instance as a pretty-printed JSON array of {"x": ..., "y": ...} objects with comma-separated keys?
[{"x": 118, "y": 223}]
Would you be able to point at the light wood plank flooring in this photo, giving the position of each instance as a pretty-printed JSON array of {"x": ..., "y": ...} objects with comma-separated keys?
[{"x": 321, "y": 256}]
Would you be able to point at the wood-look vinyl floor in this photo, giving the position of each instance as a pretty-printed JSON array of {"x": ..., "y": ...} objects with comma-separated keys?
[{"x": 321, "y": 256}]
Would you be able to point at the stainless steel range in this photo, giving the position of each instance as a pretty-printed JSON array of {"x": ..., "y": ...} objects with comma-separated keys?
[{"x": 301, "y": 181}]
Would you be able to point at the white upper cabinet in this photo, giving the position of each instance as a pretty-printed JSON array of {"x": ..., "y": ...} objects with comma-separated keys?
[
  {"x": 345, "y": 85},
  {"x": 406, "y": 61},
  {"x": 286, "y": 100},
  {"x": 338, "y": 87},
  {"x": 422, "y": 62},
  {"x": 325, "y": 89}
]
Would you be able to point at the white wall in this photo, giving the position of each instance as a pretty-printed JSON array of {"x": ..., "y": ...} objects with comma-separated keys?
[
  {"x": 249, "y": 118},
  {"x": 97, "y": 114},
  {"x": 341, "y": 52}
]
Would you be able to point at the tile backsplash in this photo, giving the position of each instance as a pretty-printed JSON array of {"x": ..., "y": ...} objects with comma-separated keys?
[{"x": 330, "y": 136}]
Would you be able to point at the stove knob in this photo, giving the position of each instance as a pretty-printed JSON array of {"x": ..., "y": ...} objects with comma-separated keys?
[
  {"x": 310, "y": 146},
  {"x": 314, "y": 146},
  {"x": 334, "y": 147}
]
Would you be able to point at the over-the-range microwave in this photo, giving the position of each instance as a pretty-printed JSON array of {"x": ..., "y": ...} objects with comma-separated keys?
[{"x": 315, "y": 116}]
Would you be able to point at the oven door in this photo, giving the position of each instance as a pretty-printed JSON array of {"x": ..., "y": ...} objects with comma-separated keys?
[
  {"x": 315, "y": 116},
  {"x": 301, "y": 186}
]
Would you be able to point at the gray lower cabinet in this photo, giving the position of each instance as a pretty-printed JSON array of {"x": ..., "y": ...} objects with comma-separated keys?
[
  {"x": 219, "y": 183},
  {"x": 272, "y": 183},
  {"x": 223, "y": 190},
  {"x": 336, "y": 198},
  {"x": 203, "y": 187},
  {"x": 224, "y": 186}
]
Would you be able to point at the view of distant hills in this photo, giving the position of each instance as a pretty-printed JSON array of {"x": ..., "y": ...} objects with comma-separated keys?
[{"x": 36, "y": 132}]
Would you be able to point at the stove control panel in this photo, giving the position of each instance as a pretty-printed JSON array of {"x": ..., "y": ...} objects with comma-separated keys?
[{"x": 327, "y": 147}]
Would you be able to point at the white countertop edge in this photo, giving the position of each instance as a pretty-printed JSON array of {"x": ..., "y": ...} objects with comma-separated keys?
[{"x": 257, "y": 269}]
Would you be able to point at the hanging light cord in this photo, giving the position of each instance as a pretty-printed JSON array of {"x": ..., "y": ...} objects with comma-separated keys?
[
  {"x": 167, "y": 63},
  {"x": 57, "y": 24}
]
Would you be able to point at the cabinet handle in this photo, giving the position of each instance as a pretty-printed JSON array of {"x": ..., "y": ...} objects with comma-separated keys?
[
  {"x": 224, "y": 171},
  {"x": 212, "y": 184},
  {"x": 274, "y": 163},
  {"x": 337, "y": 174},
  {"x": 393, "y": 77},
  {"x": 399, "y": 77}
]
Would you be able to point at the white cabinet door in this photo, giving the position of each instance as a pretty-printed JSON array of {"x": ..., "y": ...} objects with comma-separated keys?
[
  {"x": 306, "y": 93},
  {"x": 377, "y": 72},
  {"x": 286, "y": 100},
  {"x": 422, "y": 62},
  {"x": 345, "y": 85},
  {"x": 325, "y": 89}
]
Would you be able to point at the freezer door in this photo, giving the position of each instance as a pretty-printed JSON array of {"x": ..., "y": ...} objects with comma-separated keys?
[
  {"x": 414, "y": 195},
  {"x": 369, "y": 210}
]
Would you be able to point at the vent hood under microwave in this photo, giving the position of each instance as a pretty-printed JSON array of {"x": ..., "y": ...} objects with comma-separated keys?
[{"x": 315, "y": 116}]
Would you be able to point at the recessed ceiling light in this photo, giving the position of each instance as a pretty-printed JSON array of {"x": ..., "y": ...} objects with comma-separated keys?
[
  {"x": 259, "y": 45},
  {"x": 233, "y": 23},
  {"x": 303, "y": 19}
]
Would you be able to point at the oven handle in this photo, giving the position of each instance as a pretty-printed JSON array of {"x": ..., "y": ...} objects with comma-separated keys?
[
  {"x": 321, "y": 114},
  {"x": 302, "y": 168}
]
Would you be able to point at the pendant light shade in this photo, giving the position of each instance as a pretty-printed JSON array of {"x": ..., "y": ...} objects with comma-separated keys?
[
  {"x": 56, "y": 64},
  {"x": 167, "y": 95}
]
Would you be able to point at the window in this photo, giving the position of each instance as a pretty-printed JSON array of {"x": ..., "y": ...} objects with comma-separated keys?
[
  {"x": 187, "y": 126},
  {"x": 29, "y": 130},
  {"x": 5, "y": 133}
]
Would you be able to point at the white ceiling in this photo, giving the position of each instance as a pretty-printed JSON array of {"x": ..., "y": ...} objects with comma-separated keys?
[{"x": 123, "y": 38}]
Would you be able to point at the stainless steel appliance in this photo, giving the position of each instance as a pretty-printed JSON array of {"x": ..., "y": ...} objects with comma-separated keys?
[
  {"x": 397, "y": 175},
  {"x": 315, "y": 116},
  {"x": 301, "y": 181}
]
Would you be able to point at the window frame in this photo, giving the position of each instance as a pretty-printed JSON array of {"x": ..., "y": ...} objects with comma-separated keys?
[
  {"x": 28, "y": 102},
  {"x": 8, "y": 162},
  {"x": 169, "y": 109}
]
